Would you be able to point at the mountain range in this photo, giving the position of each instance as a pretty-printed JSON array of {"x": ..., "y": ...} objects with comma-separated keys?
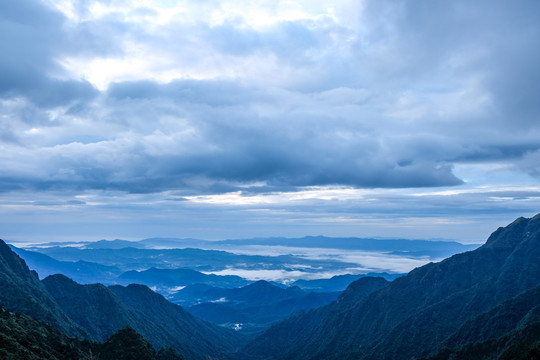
[
  {"x": 179, "y": 277},
  {"x": 250, "y": 308},
  {"x": 416, "y": 247},
  {"x": 429, "y": 309},
  {"x": 131, "y": 258},
  {"x": 480, "y": 304},
  {"x": 95, "y": 312}
]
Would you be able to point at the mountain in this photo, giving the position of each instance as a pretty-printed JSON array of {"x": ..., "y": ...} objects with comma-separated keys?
[
  {"x": 259, "y": 293},
  {"x": 338, "y": 282},
  {"x": 131, "y": 258},
  {"x": 178, "y": 277},
  {"x": 127, "y": 344},
  {"x": 250, "y": 308},
  {"x": 170, "y": 253},
  {"x": 81, "y": 271},
  {"x": 113, "y": 244},
  {"x": 415, "y": 248},
  {"x": 23, "y": 337},
  {"x": 93, "y": 307},
  {"x": 206, "y": 338},
  {"x": 414, "y": 315},
  {"x": 508, "y": 331},
  {"x": 96, "y": 312},
  {"x": 22, "y": 292},
  {"x": 101, "y": 311},
  {"x": 89, "y": 272},
  {"x": 175, "y": 243}
]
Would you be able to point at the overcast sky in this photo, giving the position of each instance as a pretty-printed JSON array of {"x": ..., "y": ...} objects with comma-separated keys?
[{"x": 227, "y": 119}]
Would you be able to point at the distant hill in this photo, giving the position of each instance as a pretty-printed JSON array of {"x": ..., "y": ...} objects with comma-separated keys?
[
  {"x": 432, "y": 248},
  {"x": 178, "y": 277},
  {"x": 415, "y": 315},
  {"x": 250, "y": 308},
  {"x": 338, "y": 282},
  {"x": 81, "y": 271},
  {"x": 81, "y": 261},
  {"x": 413, "y": 247},
  {"x": 113, "y": 244},
  {"x": 197, "y": 259}
]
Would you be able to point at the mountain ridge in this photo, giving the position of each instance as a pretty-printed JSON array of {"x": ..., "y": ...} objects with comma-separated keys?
[
  {"x": 251, "y": 308},
  {"x": 95, "y": 311},
  {"x": 415, "y": 313},
  {"x": 23, "y": 292}
]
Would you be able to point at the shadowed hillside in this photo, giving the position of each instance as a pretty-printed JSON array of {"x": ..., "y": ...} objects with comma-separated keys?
[
  {"x": 416, "y": 314},
  {"x": 96, "y": 312}
]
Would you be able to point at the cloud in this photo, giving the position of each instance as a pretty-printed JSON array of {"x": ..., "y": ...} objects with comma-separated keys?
[
  {"x": 219, "y": 141},
  {"x": 211, "y": 98},
  {"x": 32, "y": 40}
]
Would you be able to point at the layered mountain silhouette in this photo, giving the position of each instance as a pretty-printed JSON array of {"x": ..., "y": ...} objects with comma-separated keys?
[
  {"x": 21, "y": 291},
  {"x": 81, "y": 271},
  {"x": 96, "y": 312},
  {"x": 179, "y": 277},
  {"x": 252, "y": 307},
  {"x": 482, "y": 304},
  {"x": 338, "y": 282},
  {"x": 437, "y": 306}
]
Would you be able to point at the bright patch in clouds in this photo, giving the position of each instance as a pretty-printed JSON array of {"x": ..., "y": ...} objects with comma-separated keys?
[{"x": 140, "y": 59}]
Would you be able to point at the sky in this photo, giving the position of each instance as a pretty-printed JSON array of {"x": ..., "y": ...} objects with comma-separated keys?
[{"x": 219, "y": 119}]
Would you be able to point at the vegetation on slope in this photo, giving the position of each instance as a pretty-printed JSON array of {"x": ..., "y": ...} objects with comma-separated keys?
[
  {"x": 415, "y": 314},
  {"x": 21, "y": 291},
  {"x": 24, "y": 338}
]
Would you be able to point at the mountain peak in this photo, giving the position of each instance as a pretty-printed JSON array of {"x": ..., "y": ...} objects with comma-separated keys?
[
  {"x": 262, "y": 284},
  {"x": 519, "y": 231},
  {"x": 13, "y": 261},
  {"x": 128, "y": 341},
  {"x": 409, "y": 317},
  {"x": 23, "y": 292},
  {"x": 59, "y": 278}
]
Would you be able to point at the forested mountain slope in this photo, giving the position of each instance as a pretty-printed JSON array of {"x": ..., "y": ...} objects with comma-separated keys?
[
  {"x": 23, "y": 337},
  {"x": 414, "y": 315},
  {"x": 22, "y": 292},
  {"x": 95, "y": 312}
]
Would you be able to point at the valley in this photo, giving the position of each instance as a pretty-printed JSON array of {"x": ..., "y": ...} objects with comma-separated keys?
[{"x": 482, "y": 302}]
